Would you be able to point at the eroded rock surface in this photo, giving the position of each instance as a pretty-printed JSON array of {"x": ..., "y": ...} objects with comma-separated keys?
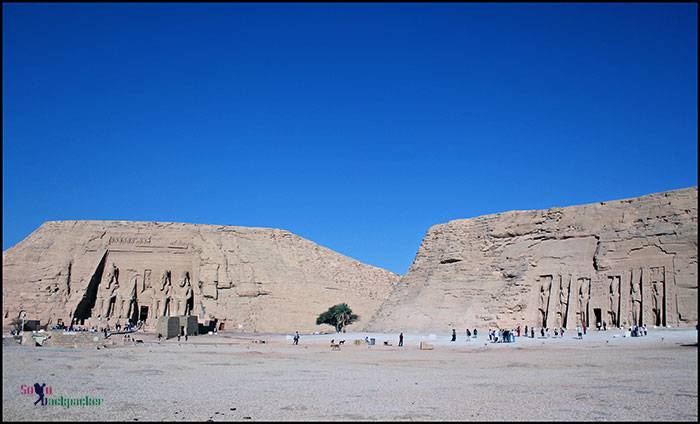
[
  {"x": 251, "y": 279},
  {"x": 623, "y": 262}
]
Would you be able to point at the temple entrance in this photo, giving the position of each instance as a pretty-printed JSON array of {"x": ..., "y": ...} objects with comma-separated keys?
[
  {"x": 598, "y": 317},
  {"x": 143, "y": 313}
]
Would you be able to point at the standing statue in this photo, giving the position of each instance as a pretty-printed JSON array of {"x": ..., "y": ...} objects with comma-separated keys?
[
  {"x": 583, "y": 298},
  {"x": 636, "y": 297},
  {"x": 544, "y": 300},
  {"x": 132, "y": 299},
  {"x": 614, "y": 301},
  {"x": 657, "y": 303},
  {"x": 146, "y": 280},
  {"x": 563, "y": 304}
]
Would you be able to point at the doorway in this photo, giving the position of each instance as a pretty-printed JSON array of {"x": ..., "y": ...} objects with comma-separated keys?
[
  {"x": 143, "y": 313},
  {"x": 598, "y": 317}
]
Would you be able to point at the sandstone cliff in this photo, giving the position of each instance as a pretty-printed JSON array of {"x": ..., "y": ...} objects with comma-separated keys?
[
  {"x": 622, "y": 262},
  {"x": 252, "y": 279}
]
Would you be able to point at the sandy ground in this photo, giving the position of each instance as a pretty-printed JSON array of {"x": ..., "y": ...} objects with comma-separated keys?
[{"x": 228, "y": 377}]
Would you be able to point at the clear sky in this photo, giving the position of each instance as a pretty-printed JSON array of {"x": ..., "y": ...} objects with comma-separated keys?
[{"x": 357, "y": 126}]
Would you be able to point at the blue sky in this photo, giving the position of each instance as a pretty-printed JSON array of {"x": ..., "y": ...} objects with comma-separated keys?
[{"x": 357, "y": 126}]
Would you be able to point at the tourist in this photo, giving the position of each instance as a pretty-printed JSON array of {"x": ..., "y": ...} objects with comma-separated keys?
[
  {"x": 584, "y": 327},
  {"x": 454, "y": 335},
  {"x": 561, "y": 331},
  {"x": 518, "y": 329},
  {"x": 474, "y": 333},
  {"x": 469, "y": 335},
  {"x": 605, "y": 326},
  {"x": 579, "y": 332},
  {"x": 556, "y": 332},
  {"x": 644, "y": 328},
  {"x": 185, "y": 331},
  {"x": 296, "y": 338},
  {"x": 532, "y": 332},
  {"x": 526, "y": 332},
  {"x": 542, "y": 332},
  {"x": 490, "y": 335},
  {"x": 401, "y": 339}
]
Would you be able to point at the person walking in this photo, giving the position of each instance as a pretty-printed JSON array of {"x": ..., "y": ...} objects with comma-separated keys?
[
  {"x": 401, "y": 339},
  {"x": 454, "y": 335},
  {"x": 296, "y": 338}
]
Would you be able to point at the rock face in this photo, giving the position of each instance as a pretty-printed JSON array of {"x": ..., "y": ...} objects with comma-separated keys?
[
  {"x": 622, "y": 262},
  {"x": 250, "y": 279}
]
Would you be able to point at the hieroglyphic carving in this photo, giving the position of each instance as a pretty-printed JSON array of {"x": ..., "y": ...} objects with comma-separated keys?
[{"x": 129, "y": 239}]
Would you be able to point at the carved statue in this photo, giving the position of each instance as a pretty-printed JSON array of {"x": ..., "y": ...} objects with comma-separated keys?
[
  {"x": 614, "y": 301},
  {"x": 189, "y": 299},
  {"x": 636, "y": 297},
  {"x": 165, "y": 279},
  {"x": 544, "y": 299},
  {"x": 111, "y": 300},
  {"x": 657, "y": 303},
  {"x": 167, "y": 298},
  {"x": 132, "y": 298},
  {"x": 184, "y": 279},
  {"x": 583, "y": 298},
  {"x": 563, "y": 304},
  {"x": 146, "y": 280},
  {"x": 113, "y": 276}
]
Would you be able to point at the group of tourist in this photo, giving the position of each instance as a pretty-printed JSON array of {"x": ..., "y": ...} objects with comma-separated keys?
[
  {"x": 501, "y": 336},
  {"x": 544, "y": 332},
  {"x": 636, "y": 331}
]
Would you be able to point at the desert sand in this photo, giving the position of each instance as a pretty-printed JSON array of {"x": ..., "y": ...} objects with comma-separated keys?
[{"x": 231, "y": 377}]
